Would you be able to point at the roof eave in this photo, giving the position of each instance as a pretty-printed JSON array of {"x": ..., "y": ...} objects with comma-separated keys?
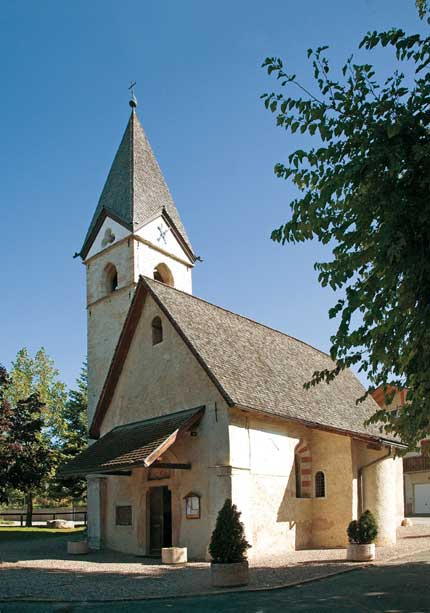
[
  {"x": 178, "y": 235},
  {"x": 327, "y": 428}
]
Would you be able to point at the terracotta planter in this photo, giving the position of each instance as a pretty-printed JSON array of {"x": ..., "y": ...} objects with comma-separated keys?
[
  {"x": 174, "y": 555},
  {"x": 360, "y": 553},
  {"x": 77, "y": 547},
  {"x": 230, "y": 575}
]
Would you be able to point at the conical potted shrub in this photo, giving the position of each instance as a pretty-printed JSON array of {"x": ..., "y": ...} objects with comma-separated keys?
[
  {"x": 361, "y": 535},
  {"x": 228, "y": 548}
]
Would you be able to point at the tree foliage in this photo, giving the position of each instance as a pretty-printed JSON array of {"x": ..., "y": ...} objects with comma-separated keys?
[
  {"x": 62, "y": 416},
  {"x": 38, "y": 375},
  {"x": 364, "y": 531},
  {"x": 26, "y": 458},
  {"x": 364, "y": 188},
  {"x": 74, "y": 438},
  {"x": 228, "y": 543},
  {"x": 423, "y": 7}
]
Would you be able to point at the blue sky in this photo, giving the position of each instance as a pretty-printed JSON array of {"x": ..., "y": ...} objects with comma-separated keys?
[{"x": 65, "y": 70}]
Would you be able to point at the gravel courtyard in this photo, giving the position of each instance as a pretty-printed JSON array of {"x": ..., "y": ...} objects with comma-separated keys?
[{"x": 41, "y": 570}]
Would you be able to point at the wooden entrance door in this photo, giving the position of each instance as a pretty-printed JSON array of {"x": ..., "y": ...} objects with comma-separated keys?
[{"x": 160, "y": 519}]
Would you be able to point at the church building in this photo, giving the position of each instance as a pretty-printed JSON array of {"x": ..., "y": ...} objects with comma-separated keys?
[{"x": 190, "y": 404}]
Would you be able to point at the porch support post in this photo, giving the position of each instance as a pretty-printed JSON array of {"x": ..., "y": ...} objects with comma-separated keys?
[{"x": 95, "y": 508}]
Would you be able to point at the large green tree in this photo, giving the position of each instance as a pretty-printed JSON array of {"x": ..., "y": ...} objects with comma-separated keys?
[
  {"x": 26, "y": 458},
  {"x": 74, "y": 439},
  {"x": 63, "y": 414},
  {"x": 38, "y": 375},
  {"x": 363, "y": 188}
]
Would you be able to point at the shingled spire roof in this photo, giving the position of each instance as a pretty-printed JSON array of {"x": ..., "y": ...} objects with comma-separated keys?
[{"x": 135, "y": 191}]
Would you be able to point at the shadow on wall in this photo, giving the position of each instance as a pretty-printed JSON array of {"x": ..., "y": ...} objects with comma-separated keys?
[{"x": 297, "y": 512}]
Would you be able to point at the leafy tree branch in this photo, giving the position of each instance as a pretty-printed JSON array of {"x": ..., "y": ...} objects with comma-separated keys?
[{"x": 364, "y": 188}]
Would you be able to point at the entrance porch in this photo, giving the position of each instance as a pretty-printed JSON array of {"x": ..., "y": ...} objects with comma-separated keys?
[{"x": 138, "y": 477}]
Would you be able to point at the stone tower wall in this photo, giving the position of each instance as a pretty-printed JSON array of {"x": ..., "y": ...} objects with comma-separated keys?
[{"x": 106, "y": 312}]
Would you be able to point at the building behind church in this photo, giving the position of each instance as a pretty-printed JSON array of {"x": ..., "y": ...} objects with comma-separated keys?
[
  {"x": 190, "y": 404},
  {"x": 416, "y": 464}
]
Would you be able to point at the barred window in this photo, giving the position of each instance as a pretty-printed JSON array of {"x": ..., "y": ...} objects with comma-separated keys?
[
  {"x": 123, "y": 515},
  {"x": 319, "y": 484}
]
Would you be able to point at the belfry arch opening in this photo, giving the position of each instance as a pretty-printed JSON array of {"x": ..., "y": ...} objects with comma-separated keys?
[
  {"x": 163, "y": 273},
  {"x": 110, "y": 278}
]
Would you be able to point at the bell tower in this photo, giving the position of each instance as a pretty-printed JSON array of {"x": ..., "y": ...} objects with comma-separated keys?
[{"x": 135, "y": 230}]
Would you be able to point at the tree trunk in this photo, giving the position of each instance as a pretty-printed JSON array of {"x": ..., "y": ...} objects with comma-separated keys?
[{"x": 29, "y": 516}]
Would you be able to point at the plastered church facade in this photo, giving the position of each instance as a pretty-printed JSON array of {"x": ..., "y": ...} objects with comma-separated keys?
[{"x": 190, "y": 403}]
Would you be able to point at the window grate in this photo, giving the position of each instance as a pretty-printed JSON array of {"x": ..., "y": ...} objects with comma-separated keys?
[
  {"x": 319, "y": 484},
  {"x": 123, "y": 515}
]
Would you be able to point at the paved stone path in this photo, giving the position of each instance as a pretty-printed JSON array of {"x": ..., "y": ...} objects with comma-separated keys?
[
  {"x": 401, "y": 587},
  {"x": 42, "y": 570}
]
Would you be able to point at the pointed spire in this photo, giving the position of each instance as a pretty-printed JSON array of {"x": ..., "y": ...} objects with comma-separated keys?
[{"x": 135, "y": 191}]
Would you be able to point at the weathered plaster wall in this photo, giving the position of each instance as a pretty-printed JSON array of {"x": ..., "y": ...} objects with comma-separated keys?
[
  {"x": 118, "y": 231},
  {"x": 146, "y": 260},
  {"x": 382, "y": 489},
  {"x": 263, "y": 483},
  {"x": 122, "y": 491},
  {"x": 205, "y": 479},
  {"x": 151, "y": 233},
  {"x": 107, "y": 310},
  {"x": 380, "y": 497},
  {"x": 331, "y": 515},
  {"x": 96, "y": 506},
  {"x": 157, "y": 380},
  {"x": 106, "y": 313},
  {"x": 121, "y": 255}
]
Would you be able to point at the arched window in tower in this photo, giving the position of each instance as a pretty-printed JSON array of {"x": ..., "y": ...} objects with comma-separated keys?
[
  {"x": 163, "y": 273},
  {"x": 319, "y": 484},
  {"x": 157, "y": 331},
  {"x": 110, "y": 278}
]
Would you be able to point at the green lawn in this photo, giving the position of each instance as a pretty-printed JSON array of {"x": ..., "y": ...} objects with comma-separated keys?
[{"x": 13, "y": 533}]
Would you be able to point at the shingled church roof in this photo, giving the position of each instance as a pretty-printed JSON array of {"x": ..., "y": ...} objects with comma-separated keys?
[
  {"x": 254, "y": 366},
  {"x": 135, "y": 191}
]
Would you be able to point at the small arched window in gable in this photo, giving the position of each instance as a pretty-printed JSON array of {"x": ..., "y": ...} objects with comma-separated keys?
[
  {"x": 111, "y": 278},
  {"x": 157, "y": 331},
  {"x": 319, "y": 484}
]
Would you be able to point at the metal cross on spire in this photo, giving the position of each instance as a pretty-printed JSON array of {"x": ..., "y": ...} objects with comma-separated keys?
[{"x": 133, "y": 100}]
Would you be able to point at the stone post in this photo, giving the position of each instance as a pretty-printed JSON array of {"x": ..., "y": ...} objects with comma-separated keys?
[{"x": 95, "y": 500}]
